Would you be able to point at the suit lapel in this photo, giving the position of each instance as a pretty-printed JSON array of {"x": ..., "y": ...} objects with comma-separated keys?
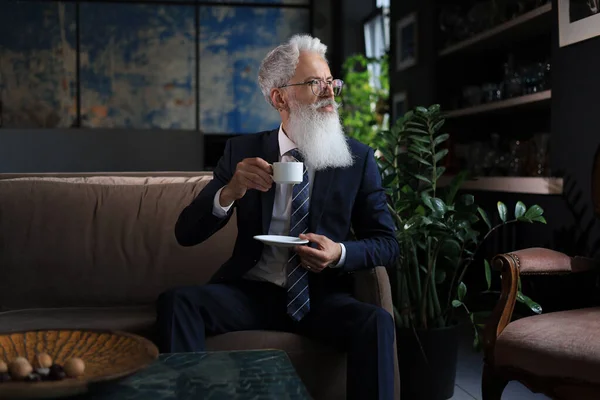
[
  {"x": 271, "y": 155},
  {"x": 320, "y": 193}
]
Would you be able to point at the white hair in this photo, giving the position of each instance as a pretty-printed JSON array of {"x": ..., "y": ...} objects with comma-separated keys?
[{"x": 279, "y": 66}]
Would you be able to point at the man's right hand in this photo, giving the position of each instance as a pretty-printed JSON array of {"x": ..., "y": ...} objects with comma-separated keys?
[{"x": 250, "y": 173}]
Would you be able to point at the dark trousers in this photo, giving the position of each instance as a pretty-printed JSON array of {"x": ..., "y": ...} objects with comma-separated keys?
[{"x": 185, "y": 316}]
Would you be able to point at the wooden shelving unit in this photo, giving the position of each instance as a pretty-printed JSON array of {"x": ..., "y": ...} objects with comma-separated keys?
[
  {"x": 535, "y": 99},
  {"x": 531, "y": 23},
  {"x": 478, "y": 60},
  {"x": 528, "y": 185}
]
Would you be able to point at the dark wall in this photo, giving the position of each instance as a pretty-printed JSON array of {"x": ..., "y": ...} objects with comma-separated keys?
[
  {"x": 105, "y": 150},
  {"x": 575, "y": 127},
  {"x": 354, "y": 13},
  {"x": 417, "y": 81}
]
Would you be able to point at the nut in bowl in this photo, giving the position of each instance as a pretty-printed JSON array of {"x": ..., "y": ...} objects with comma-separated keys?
[{"x": 56, "y": 363}]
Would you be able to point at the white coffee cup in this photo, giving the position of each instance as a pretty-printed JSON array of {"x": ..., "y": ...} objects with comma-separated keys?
[{"x": 288, "y": 172}]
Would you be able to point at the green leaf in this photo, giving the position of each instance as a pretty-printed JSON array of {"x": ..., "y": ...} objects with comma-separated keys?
[
  {"x": 421, "y": 160},
  {"x": 441, "y": 154},
  {"x": 416, "y": 130},
  {"x": 418, "y": 148},
  {"x": 520, "y": 209},
  {"x": 484, "y": 216},
  {"x": 455, "y": 185},
  {"x": 438, "y": 125},
  {"x": 440, "y": 276},
  {"x": 450, "y": 248},
  {"x": 462, "y": 291},
  {"x": 418, "y": 138},
  {"x": 440, "y": 171},
  {"x": 421, "y": 109},
  {"x": 488, "y": 274},
  {"x": 533, "y": 306},
  {"x": 388, "y": 180},
  {"x": 441, "y": 139},
  {"x": 539, "y": 219},
  {"x": 456, "y": 303},
  {"x": 422, "y": 178},
  {"x": 533, "y": 212},
  {"x": 502, "y": 210},
  {"x": 439, "y": 206},
  {"x": 426, "y": 198}
]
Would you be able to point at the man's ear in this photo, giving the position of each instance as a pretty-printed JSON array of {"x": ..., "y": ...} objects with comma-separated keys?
[{"x": 278, "y": 100}]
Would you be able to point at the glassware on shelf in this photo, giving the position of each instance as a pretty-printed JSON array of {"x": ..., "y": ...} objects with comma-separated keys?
[
  {"x": 495, "y": 161},
  {"x": 538, "y": 155},
  {"x": 472, "y": 95},
  {"x": 515, "y": 158},
  {"x": 491, "y": 92},
  {"x": 475, "y": 159},
  {"x": 512, "y": 80}
]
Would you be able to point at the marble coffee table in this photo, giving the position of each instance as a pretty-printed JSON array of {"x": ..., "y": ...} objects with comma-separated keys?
[{"x": 253, "y": 374}]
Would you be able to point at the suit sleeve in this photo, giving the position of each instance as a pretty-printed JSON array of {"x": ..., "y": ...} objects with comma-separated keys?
[
  {"x": 197, "y": 222},
  {"x": 374, "y": 228}
]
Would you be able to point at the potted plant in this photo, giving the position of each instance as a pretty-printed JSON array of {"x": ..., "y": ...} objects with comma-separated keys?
[
  {"x": 437, "y": 230},
  {"x": 365, "y": 98}
]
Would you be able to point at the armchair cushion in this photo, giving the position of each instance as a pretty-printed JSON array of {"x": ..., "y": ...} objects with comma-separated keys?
[{"x": 560, "y": 344}]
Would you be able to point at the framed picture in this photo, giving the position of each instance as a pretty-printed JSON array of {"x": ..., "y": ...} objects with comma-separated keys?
[
  {"x": 406, "y": 42},
  {"x": 578, "y": 20},
  {"x": 399, "y": 106}
]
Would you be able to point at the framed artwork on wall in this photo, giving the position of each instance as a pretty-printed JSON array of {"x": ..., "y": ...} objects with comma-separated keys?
[
  {"x": 578, "y": 20},
  {"x": 406, "y": 42},
  {"x": 399, "y": 106}
]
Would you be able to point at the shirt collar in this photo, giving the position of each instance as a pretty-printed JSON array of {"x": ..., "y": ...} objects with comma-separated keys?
[{"x": 285, "y": 143}]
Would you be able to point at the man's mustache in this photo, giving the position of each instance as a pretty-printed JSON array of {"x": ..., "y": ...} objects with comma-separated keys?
[{"x": 326, "y": 102}]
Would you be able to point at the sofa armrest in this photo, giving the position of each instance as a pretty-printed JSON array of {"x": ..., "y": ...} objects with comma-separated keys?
[
  {"x": 373, "y": 286},
  {"x": 531, "y": 261}
]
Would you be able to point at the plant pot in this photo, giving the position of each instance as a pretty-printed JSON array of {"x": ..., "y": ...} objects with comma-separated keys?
[{"x": 427, "y": 369}]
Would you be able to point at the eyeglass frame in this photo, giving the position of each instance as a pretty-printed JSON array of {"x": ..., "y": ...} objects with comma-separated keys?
[{"x": 312, "y": 81}]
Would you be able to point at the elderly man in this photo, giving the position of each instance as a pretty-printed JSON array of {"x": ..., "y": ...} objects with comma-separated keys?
[{"x": 305, "y": 289}]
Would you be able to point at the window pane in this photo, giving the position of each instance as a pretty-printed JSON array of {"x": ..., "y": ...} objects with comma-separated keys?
[
  {"x": 138, "y": 66},
  {"x": 37, "y": 64},
  {"x": 383, "y": 3},
  {"x": 378, "y": 36},
  {"x": 368, "y": 39},
  {"x": 233, "y": 42}
]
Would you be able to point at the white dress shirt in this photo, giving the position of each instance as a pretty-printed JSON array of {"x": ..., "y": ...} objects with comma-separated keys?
[{"x": 272, "y": 264}]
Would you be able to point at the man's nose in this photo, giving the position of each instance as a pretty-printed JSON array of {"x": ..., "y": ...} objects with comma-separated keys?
[{"x": 328, "y": 92}]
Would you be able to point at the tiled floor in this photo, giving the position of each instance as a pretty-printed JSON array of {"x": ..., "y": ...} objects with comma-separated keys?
[{"x": 468, "y": 377}]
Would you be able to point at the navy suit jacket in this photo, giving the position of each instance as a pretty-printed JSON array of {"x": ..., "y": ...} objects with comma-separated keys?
[{"x": 343, "y": 200}]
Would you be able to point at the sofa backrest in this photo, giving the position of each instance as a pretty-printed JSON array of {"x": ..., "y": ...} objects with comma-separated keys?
[{"x": 100, "y": 240}]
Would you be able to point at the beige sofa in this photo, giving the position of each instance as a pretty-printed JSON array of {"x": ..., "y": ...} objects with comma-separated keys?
[{"x": 95, "y": 250}]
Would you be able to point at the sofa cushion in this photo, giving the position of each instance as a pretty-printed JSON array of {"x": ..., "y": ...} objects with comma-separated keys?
[
  {"x": 99, "y": 241},
  {"x": 560, "y": 344},
  {"x": 138, "y": 319}
]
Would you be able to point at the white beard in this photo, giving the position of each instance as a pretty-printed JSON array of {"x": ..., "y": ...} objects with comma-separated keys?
[{"x": 319, "y": 135}]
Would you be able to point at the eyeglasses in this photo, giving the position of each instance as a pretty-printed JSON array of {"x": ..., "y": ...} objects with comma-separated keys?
[{"x": 320, "y": 87}]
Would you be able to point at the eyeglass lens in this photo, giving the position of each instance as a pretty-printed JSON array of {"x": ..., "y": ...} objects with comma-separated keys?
[{"x": 320, "y": 87}]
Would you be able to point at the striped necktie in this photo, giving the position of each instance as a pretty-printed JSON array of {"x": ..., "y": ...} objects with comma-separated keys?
[{"x": 297, "y": 279}]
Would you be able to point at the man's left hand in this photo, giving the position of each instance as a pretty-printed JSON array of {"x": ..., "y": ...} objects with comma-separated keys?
[{"x": 317, "y": 259}]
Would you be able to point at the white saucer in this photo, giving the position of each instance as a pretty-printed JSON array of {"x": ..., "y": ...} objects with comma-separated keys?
[{"x": 281, "y": 241}]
